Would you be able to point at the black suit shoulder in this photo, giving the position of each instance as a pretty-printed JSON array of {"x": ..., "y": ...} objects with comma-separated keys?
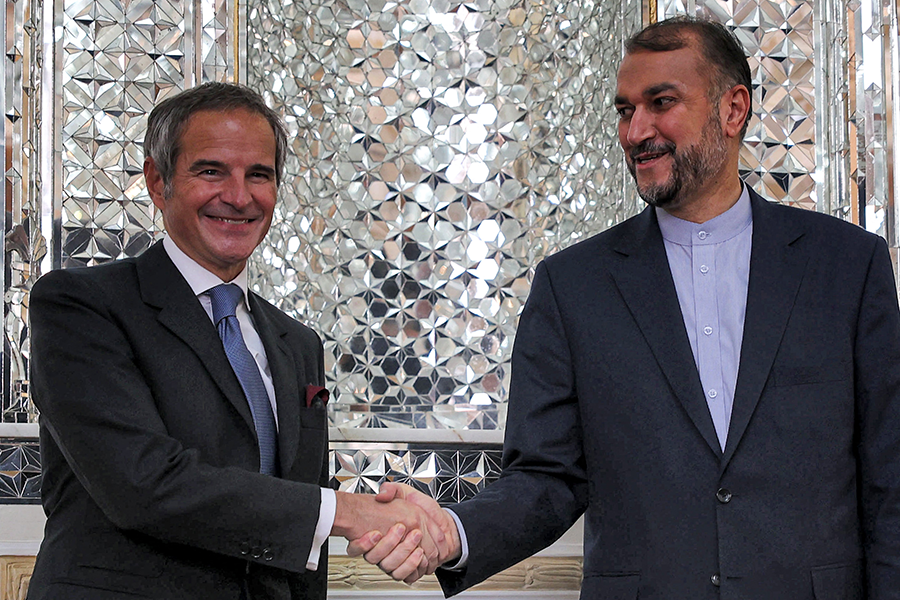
[
  {"x": 817, "y": 223},
  {"x": 110, "y": 289},
  {"x": 117, "y": 283},
  {"x": 832, "y": 244},
  {"x": 104, "y": 278},
  {"x": 288, "y": 323}
]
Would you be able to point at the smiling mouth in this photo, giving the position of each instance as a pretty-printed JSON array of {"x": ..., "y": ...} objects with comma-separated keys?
[
  {"x": 231, "y": 221},
  {"x": 645, "y": 158}
]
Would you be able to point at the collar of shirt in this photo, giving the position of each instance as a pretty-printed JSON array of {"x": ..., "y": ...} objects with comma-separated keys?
[
  {"x": 715, "y": 231},
  {"x": 200, "y": 279}
]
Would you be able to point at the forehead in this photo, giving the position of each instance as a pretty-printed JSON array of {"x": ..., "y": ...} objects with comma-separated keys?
[
  {"x": 233, "y": 128},
  {"x": 682, "y": 69}
]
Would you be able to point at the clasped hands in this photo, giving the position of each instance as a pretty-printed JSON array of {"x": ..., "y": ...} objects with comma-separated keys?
[{"x": 403, "y": 531}]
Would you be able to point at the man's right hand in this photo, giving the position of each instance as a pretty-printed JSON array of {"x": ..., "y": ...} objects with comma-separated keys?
[
  {"x": 387, "y": 522},
  {"x": 396, "y": 555}
]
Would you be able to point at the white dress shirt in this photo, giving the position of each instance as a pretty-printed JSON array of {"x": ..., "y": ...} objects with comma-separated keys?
[{"x": 201, "y": 281}]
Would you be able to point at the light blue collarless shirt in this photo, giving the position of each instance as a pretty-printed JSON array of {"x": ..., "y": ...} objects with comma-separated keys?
[{"x": 710, "y": 264}]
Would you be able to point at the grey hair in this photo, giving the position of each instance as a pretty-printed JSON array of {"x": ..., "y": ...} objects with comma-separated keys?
[{"x": 166, "y": 123}]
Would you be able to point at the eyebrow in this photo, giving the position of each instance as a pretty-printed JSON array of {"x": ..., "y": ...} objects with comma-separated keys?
[
  {"x": 261, "y": 167},
  {"x": 659, "y": 88},
  {"x": 650, "y": 91},
  {"x": 203, "y": 164}
]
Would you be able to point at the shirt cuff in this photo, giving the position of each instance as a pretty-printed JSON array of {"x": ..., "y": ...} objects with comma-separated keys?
[
  {"x": 327, "y": 509},
  {"x": 463, "y": 544}
]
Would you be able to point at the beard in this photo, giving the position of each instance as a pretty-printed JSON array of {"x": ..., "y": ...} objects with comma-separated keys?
[{"x": 692, "y": 167}]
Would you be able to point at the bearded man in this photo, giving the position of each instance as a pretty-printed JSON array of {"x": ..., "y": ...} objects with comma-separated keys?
[{"x": 712, "y": 383}]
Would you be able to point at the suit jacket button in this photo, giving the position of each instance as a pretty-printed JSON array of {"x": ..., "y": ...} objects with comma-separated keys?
[
  {"x": 716, "y": 580},
  {"x": 267, "y": 554},
  {"x": 723, "y": 496},
  {"x": 245, "y": 549},
  {"x": 256, "y": 552}
]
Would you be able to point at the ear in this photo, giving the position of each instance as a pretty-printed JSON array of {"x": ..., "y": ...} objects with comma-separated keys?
[
  {"x": 155, "y": 185},
  {"x": 733, "y": 109}
]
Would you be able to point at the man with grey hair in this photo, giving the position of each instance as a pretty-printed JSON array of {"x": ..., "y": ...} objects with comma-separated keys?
[{"x": 183, "y": 418}]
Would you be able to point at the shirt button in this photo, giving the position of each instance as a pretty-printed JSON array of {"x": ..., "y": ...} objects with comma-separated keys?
[
  {"x": 716, "y": 580},
  {"x": 723, "y": 496},
  {"x": 713, "y": 393},
  {"x": 707, "y": 330},
  {"x": 704, "y": 269},
  {"x": 245, "y": 548},
  {"x": 256, "y": 552},
  {"x": 702, "y": 235},
  {"x": 267, "y": 555}
]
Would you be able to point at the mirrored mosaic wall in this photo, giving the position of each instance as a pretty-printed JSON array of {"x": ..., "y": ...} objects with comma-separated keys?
[
  {"x": 117, "y": 59},
  {"x": 440, "y": 149},
  {"x": 24, "y": 245},
  {"x": 20, "y": 471},
  {"x": 449, "y": 474}
]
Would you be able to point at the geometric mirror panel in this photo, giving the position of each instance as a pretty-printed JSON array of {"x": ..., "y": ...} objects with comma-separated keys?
[{"x": 440, "y": 150}]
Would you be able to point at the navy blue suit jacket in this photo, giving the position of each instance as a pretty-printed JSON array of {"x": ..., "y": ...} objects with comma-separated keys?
[{"x": 607, "y": 417}]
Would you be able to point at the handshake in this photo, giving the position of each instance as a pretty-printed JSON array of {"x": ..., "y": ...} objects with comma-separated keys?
[{"x": 403, "y": 531}]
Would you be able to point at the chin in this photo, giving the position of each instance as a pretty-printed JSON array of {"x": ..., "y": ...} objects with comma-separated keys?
[{"x": 660, "y": 196}]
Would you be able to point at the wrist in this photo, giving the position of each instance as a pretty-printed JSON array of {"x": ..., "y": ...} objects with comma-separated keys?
[
  {"x": 346, "y": 515},
  {"x": 455, "y": 545},
  {"x": 455, "y": 537}
]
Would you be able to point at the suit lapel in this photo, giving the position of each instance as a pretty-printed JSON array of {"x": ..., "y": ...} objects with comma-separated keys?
[
  {"x": 284, "y": 377},
  {"x": 163, "y": 287},
  {"x": 645, "y": 282},
  {"x": 777, "y": 265}
]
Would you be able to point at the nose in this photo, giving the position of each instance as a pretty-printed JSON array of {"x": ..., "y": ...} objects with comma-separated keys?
[
  {"x": 640, "y": 127},
  {"x": 236, "y": 192}
]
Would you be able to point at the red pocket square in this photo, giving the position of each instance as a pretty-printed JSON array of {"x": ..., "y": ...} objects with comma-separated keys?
[{"x": 315, "y": 391}]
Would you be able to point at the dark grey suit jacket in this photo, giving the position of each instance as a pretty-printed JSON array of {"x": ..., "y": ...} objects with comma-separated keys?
[
  {"x": 150, "y": 458},
  {"x": 607, "y": 417}
]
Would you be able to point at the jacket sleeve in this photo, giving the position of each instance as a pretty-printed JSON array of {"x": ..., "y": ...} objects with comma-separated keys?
[
  {"x": 543, "y": 488},
  {"x": 877, "y": 389}
]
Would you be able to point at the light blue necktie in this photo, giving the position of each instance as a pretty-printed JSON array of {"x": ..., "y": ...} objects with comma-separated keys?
[{"x": 224, "y": 299}]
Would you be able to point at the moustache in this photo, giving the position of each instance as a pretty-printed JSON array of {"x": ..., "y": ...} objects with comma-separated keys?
[{"x": 651, "y": 148}]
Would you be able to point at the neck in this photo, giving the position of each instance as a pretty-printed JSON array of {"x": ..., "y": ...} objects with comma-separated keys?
[{"x": 709, "y": 202}]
